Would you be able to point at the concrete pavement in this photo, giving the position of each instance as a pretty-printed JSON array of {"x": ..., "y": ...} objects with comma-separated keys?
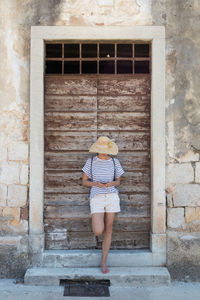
[{"x": 178, "y": 290}]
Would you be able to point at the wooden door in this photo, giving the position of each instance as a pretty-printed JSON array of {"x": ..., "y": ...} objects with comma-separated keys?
[{"x": 77, "y": 111}]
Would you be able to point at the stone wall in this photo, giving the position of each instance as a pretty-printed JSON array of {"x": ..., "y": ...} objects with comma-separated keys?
[
  {"x": 183, "y": 138},
  {"x": 181, "y": 20}
]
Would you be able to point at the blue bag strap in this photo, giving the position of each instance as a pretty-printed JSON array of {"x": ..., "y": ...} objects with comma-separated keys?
[
  {"x": 114, "y": 168},
  {"x": 91, "y": 167}
]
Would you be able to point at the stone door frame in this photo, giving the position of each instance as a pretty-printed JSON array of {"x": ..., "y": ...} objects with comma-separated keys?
[{"x": 153, "y": 34}]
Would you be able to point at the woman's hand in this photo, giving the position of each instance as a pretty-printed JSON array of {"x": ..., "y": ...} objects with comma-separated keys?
[
  {"x": 109, "y": 184},
  {"x": 99, "y": 184},
  {"x": 113, "y": 183}
]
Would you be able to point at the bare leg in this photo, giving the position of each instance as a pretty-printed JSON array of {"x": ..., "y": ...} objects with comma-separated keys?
[
  {"x": 98, "y": 223},
  {"x": 109, "y": 218}
]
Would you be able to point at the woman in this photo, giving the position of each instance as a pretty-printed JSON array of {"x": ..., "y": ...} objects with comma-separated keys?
[{"x": 102, "y": 174}]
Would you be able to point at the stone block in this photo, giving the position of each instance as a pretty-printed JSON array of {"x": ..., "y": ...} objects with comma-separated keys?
[
  {"x": 169, "y": 200},
  {"x": 197, "y": 172},
  {"x": 175, "y": 217},
  {"x": 192, "y": 214},
  {"x": 17, "y": 195},
  {"x": 14, "y": 212},
  {"x": 179, "y": 173},
  {"x": 187, "y": 195},
  {"x": 188, "y": 157},
  {"x": 3, "y": 150},
  {"x": 9, "y": 172},
  {"x": 19, "y": 227},
  {"x": 24, "y": 174},
  {"x": 18, "y": 151},
  {"x": 183, "y": 255},
  {"x": 105, "y": 2},
  {"x": 158, "y": 242},
  {"x": 3, "y": 194}
]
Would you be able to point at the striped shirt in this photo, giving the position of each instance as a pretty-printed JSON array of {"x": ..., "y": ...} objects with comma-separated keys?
[{"x": 103, "y": 171}]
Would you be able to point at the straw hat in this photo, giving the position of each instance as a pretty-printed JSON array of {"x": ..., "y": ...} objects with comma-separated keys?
[{"x": 104, "y": 145}]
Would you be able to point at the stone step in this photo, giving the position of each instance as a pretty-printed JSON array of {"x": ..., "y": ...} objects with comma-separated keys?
[
  {"x": 118, "y": 276},
  {"x": 92, "y": 257}
]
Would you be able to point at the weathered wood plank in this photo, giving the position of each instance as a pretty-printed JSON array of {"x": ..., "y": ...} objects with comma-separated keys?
[
  {"x": 70, "y": 121},
  {"x": 126, "y": 86},
  {"x": 84, "y": 211},
  {"x": 66, "y": 141},
  {"x": 83, "y": 199},
  {"x": 66, "y": 199},
  {"x": 65, "y": 160},
  {"x": 134, "y": 224},
  {"x": 127, "y": 240},
  {"x": 70, "y": 103},
  {"x": 75, "y": 160},
  {"x": 72, "y": 182},
  {"x": 79, "y": 86},
  {"x": 70, "y": 224},
  {"x": 69, "y": 240},
  {"x": 128, "y": 141},
  {"x": 124, "y": 103},
  {"x": 123, "y": 121},
  {"x": 69, "y": 141}
]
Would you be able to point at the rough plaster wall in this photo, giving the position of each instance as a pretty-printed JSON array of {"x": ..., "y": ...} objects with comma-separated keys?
[
  {"x": 182, "y": 22},
  {"x": 181, "y": 19}
]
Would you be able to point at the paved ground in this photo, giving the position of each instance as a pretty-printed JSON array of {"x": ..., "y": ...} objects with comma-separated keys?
[{"x": 178, "y": 290}]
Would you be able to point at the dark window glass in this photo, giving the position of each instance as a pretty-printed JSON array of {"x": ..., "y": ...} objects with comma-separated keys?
[
  {"x": 124, "y": 50},
  {"x": 106, "y": 67},
  {"x": 141, "y": 50},
  {"x": 106, "y": 50},
  {"x": 141, "y": 66},
  {"x": 71, "y": 50},
  {"x": 89, "y": 50},
  {"x": 53, "y": 50},
  {"x": 124, "y": 67},
  {"x": 89, "y": 67},
  {"x": 53, "y": 67},
  {"x": 71, "y": 67}
]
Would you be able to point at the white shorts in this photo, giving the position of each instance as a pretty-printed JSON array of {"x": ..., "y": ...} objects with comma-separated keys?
[{"x": 105, "y": 203}]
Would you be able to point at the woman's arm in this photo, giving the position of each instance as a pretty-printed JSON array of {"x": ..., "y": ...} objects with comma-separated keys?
[{"x": 86, "y": 182}]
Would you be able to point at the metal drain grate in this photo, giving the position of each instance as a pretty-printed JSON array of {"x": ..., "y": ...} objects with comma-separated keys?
[{"x": 86, "y": 288}]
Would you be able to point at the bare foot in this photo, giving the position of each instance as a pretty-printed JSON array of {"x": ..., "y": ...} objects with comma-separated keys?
[{"x": 104, "y": 268}]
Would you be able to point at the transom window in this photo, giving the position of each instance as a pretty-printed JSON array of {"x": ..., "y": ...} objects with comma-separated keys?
[{"x": 63, "y": 58}]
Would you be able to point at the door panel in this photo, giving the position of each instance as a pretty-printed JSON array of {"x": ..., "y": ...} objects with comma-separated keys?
[{"x": 77, "y": 111}]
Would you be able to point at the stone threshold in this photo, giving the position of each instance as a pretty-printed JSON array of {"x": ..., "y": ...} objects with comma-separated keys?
[
  {"x": 92, "y": 257},
  {"x": 118, "y": 276}
]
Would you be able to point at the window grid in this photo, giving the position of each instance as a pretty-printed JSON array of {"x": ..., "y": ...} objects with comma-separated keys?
[{"x": 98, "y": 58}]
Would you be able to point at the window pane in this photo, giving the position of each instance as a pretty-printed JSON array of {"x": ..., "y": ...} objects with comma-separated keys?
[
  {"x": 124, "y": 50},
  {"x": 53, "y": 50},
  {"x": 71, "y": 67},
  {"x": 124, "y": 67},
  {"x": 107, "y": 67},
  {"x": 53, "y": 67},
  {"x": 89, "y": 67},
  {"x": 89, "y": 50},
  {"x": 71, "y": 50},
  {"x": 141, "y": 50},
  {"x": 106, "y": 50},
  {"x": 141, "y": 66}
]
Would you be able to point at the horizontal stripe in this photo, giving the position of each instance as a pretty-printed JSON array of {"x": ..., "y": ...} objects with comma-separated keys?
[{"x": 103, "y": 171}]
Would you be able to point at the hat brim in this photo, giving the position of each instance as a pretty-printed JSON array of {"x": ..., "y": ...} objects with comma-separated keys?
[{"x": 95, "y": 148}]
